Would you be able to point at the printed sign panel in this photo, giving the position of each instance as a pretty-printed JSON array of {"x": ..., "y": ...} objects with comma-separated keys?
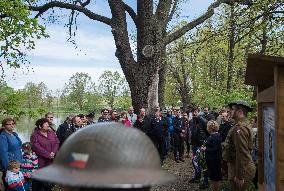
[{"x": 269, "y": 147}]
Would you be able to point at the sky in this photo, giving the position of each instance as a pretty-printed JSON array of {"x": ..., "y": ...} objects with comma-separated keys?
[{"x": 55, "y": 60}]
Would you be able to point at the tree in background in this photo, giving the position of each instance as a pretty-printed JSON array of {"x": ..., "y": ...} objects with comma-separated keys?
[
  {"x": 94, "y": 101},
  {"x": 49, "y": 101},
  {"x": 37, "y": 99},
  {"x": 11, "y": 102},
  {"x": 154, "y": 32},
  {"x": 76, "y": 89},
  {"x": 220, "y": 48},
  {"x": 17, "y": 33},
  {"x": 172, "y": 96},
  {"x": 179, "y": 60},
  {"x": 43, "y": 92},
  {"x": 35, "y": 94},
  {"x": 112, "y": 85}
]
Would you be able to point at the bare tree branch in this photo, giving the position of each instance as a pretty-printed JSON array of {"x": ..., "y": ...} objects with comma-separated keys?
[
  {"x": 131, "y": 12},
  {"x": 276, "y": 12},
  {"x": 72, "y": 22},
  {"x": 2, "y": 16},
  {"x": 173, "y": 10},
  {"x": 85, "y": 3},
  {"x": 121, "y": 38},
  {"x": 17, "y": 50},
  {"x": 196, "y": 42},
  {"x": 58, "y": 4},
  {"x": 249, "y": 22},
  {"x": 210, "y": 11},
  {"x": 251, "y": 30}
]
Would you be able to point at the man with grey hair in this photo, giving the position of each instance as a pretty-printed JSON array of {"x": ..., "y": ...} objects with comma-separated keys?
[
  {"x": 143, "y": 121},
  {"x": 50, "y": 117}
]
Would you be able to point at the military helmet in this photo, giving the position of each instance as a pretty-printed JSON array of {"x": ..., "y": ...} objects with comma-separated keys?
[
  {"x": 241, "y": 103},
  {"x": 106, "y": 155}
]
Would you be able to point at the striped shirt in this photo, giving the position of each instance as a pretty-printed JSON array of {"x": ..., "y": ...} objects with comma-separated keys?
[{"x": 29, "y": 164}]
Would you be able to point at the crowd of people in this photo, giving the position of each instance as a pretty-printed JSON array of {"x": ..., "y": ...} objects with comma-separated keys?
[{"x": 218, "y": 142}]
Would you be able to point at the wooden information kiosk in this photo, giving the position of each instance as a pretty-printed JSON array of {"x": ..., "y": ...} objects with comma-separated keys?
[{"x": 267, "y": 74}]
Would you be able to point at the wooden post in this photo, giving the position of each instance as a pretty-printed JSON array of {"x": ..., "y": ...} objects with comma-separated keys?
[
  {"x": 260, "y": 141},
  {"x": 279, "y": 105}
]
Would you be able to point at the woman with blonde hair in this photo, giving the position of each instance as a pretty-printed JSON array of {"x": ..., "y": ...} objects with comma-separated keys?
[{"x": 213, "y": 154}]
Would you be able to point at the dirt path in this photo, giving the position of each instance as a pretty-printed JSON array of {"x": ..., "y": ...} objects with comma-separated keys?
[{"x": 183, "y": 171}]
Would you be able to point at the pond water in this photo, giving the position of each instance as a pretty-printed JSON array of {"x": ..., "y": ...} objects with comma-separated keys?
[{"x": 25, "y": 125}]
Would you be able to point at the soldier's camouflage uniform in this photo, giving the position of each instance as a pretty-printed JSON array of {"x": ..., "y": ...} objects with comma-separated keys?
[{"x": 237, "y": 152}]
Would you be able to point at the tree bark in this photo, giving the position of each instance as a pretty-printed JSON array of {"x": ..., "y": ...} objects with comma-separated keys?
[
  {"x": 185, "y": 99},
  {"x": 162, "y": 81},
  {"x": 231, "y": 49},
  {"x": 185, "y": 85},
  {"x": 142, "y": 76},
  {"x": 264, "y": 33}
]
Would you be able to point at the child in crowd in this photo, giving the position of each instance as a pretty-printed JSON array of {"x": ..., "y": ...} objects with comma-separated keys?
[
  {"x": 125, "y": 121},
  {"x": 213, "y": 154},
  {"x": 29, "y": 162},
  {"x": 15, "y": 178}
]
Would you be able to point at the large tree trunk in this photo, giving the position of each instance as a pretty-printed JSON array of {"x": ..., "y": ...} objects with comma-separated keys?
[
  {"x": 149, "y": 54},
  {"x": 143, "y": 75},
  {"x": 144, "y": 90}
]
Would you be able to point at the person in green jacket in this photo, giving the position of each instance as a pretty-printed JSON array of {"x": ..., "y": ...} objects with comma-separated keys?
[{"x": 238, "y": 147}]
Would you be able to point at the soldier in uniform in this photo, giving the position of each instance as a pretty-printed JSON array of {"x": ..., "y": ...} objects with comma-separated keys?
[
  {"x": 105, "y": 158},
  {"x": 238, "y": 147}
]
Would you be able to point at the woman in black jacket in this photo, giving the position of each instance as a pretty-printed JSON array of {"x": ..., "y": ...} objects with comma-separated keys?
[{"x": 213, "y": 154}]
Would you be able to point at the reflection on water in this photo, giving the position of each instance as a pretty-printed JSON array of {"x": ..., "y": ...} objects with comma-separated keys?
[{"x": 26, "y": 125}]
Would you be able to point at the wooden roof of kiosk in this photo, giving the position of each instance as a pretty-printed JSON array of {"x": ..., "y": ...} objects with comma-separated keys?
[
  {"x": 260, "y": 69},
  {"x": 267, "y": 73}
]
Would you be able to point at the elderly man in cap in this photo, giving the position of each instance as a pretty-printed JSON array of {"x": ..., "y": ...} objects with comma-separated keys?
[
  {"x": 238, "y": 147},
  {"x": 107, "y": 157}
]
